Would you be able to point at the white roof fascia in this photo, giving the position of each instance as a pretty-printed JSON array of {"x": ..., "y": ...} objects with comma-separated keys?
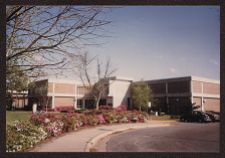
[
  {"x": 196, "y": 78},
  {"x": 120, "y": 78},
  {"x": 62, "y": 81}
]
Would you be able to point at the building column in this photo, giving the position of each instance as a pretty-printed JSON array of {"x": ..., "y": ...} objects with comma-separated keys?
[
  {"x": 53, "y": 95},
  {"x": 191, "y": 91},
  {"x": 75, "y": 98},
  {"x": 83, "y": 102},
  {"x": 75, "y": 103},
  {"x": 202, "y": 98},
  {"x": 167, "y": 99}
]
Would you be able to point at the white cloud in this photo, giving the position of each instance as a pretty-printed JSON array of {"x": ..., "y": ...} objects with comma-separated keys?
[{"x": 172, "y": 70}]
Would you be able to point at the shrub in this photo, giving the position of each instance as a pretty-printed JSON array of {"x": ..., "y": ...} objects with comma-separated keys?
[
  {"x": 121, "y": 108},
  {"x": 69, "y": 123},
  {"x": 23, "y": 135},
  {"x": 43, "y": 118},
  {"x": 105, "y": 107},
  {"x": 133, "y": 118},
  {"x": 79, "y": 110},
  {"x": 93, "y": 112},
  {"x": 83, "y": 119},
  {"x": 64, "y": 109},
  {"x": 93, "y": 120},
  {"x": 101, "y": 119},
  {"x": 123, "y": 119},
  {"x": 55, "y": 128},
  {"x": 110, "y": 117}
]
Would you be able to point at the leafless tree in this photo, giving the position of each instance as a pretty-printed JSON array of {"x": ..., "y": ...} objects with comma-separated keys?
[
  {"x": 97, "y": 86},
  {"x": 43, "y": 36}
]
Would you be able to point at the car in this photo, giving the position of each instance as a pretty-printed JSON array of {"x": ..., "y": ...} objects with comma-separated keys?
[
  {"x": 195, "y": 116},
  {"x": 213, "y": 116}
]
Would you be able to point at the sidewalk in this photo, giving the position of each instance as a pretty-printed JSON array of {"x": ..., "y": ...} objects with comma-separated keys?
[{"x": 84, "y": 139}]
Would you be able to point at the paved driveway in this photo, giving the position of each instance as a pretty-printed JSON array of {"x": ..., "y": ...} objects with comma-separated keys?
[
  {"x": 78, "y": 141},
  {"x": 180, "y": 137}
]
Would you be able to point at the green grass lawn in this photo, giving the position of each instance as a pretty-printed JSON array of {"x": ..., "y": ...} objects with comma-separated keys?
[{"x": 17, "y": 115}]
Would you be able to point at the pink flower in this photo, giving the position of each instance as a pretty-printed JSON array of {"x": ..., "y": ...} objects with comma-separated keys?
[{"x": 101, "y": 119}]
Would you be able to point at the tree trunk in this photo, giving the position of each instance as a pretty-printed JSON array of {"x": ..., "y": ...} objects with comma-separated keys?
[{"x": 97, "y": 103}]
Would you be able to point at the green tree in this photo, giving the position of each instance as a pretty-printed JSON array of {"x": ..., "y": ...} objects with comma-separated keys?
[
  {"x": 141, "y": 95},
  {"x": 16, "y": 80}
]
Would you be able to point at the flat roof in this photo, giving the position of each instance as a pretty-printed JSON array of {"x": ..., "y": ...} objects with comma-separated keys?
[
  {"x": 194, "y": 78},
  {"x": 184, "y": 78},
  {"x": 169, "y": 79},
  {"x": 57, "y": 80},
  {"x": 197, "y": 78},
  {"x": 120, "y": 78}
]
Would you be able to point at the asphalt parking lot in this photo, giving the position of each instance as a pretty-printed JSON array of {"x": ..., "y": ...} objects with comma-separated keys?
[{"x": 179, "y": 137}]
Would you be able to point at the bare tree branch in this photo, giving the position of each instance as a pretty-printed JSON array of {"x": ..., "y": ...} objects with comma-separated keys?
[
  {"x": 14, "y": 14},
  {"x": 48, "y": 32},
  {"x": 97, "y": 88},
  {"x": 9, "y": 17}
]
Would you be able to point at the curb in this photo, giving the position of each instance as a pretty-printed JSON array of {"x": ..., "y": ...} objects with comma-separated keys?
[
  {"x": 162, "y": 121},
  {"x": 94, "y": 140}
]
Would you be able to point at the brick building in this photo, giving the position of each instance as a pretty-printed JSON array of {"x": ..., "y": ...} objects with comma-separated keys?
[
  {"x": 57, "y": 93},
  {"x": 69, "y": 93},
  {"x": 19, "y": 99},
  {"x": 173, "y": 94}
]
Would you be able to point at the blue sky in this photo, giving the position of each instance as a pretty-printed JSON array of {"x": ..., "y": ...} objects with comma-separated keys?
[{"x": 149, "y": 42}]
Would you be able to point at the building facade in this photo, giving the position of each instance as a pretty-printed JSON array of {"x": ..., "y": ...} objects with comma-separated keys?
[
  {"x": 172, "y": 95},
  {"x": 55, "y": 93},
  {"x": 19, "y": 99},
  {"x": 119, "y": 91},
  {"x": 58, "y": 93}
]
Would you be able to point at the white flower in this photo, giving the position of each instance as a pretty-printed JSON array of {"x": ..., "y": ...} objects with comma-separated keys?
[{"x": 47, "y": 120}]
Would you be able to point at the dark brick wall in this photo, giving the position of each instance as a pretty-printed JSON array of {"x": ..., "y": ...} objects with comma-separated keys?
[
  {"x": 177, "y": 104},
  {"x": 161, "y": 102},
  {"x": 158, "y": 88},
  {"x": 179, "y": 94},
  {"x": 179, "y": 87},
  {"x": 174, "y": 106}
]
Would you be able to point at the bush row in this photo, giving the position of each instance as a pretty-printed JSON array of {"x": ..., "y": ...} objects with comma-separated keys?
[{"x": 24, "y": 135}]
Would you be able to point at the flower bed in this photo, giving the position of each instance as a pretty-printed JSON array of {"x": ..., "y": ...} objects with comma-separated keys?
[{"x": 24, "y": 135}]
